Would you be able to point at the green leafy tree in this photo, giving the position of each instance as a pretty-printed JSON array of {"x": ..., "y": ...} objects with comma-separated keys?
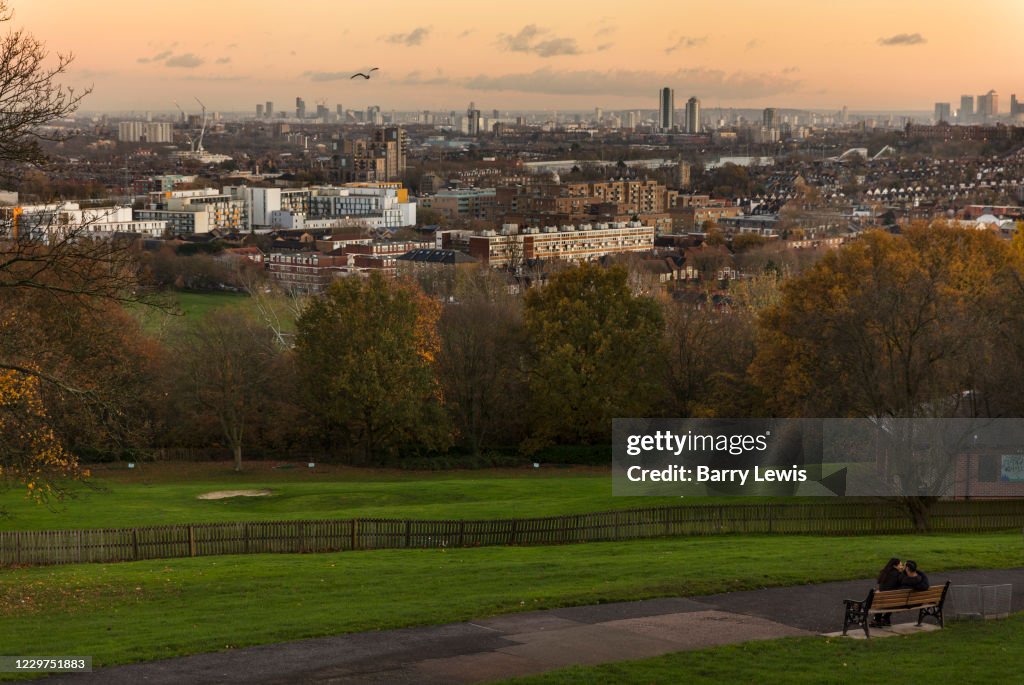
[
  {"x": 366, "y": 353},
  {"x": 596, "y": 354}
]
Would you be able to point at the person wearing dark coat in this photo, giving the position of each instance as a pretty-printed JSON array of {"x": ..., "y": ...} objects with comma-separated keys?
[
  {"x": 888, "y": 579},
  {"x": 912, "y": 578}
]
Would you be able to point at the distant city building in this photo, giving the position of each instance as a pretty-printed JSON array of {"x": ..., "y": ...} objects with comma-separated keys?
[
  {"x": 769, "y": 118},
  {"x": 666, "y": 109},
  {"x": 467, "y": 203},
  {"x": 966, "y": 113},
  {"x": 259, "y": 111},
  {"x": 693, "y": 115},
  {"x": 472, "y": 120},
  {"x": 300, "y": 108},
  {"x": 554, "y": 203},
  {"x": 376, "y": 205},
  {"x": 145, "y": 132},
  {"x": 382, "y": 158},
  {"x": 942, "y": 112},
  {"x": 55, "y": 221},
  {"x": 585, "y": 242},
  {"x": 374, "y": 116},
  {"x": 268, "y": 109},
  {"x": 988, "y": 105},
  {"x": 189, "y": 212}
]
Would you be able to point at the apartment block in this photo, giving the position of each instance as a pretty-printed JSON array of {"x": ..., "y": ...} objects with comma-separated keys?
[{"x": 574, "y": 243}]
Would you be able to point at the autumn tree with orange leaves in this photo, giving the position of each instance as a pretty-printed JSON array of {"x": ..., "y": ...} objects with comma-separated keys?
[{"x": 47, "y": 267}]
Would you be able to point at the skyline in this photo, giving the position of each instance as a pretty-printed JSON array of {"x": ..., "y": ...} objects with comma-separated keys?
[{"x": 234, "y": 54}]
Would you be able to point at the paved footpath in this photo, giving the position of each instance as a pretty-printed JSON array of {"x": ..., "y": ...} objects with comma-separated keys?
[{"x": 525, "y": 643}]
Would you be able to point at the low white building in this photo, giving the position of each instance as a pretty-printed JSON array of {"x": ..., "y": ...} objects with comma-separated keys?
[{"x": 44, "y": 222}]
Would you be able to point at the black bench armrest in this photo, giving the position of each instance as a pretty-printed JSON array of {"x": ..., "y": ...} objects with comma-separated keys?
[{"x": 854, "y": 604}]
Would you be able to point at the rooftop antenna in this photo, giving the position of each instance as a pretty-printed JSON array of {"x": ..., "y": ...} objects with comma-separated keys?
[
  {"x": 191, "y": 144},
  {"x": 202, "y": 132}
]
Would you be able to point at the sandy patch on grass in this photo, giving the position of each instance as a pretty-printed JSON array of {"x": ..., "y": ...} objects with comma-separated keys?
[{"x": 223, "y": 494}]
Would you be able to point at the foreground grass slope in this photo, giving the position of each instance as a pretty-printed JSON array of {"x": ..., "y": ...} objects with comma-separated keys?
[
  {"x": 967, "y": 653},
  {"x": 140, "y": 611}
]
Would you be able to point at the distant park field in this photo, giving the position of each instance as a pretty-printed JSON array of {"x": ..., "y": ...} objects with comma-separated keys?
[{"x": 163, "y": 493}]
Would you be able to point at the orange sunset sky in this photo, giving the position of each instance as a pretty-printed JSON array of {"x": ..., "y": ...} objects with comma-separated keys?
[{"x": 530, "y": 54}]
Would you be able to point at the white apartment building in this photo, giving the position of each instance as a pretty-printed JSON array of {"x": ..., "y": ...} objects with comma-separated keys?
[
  {"x": 45, "y": 222},
  {"x": 379, "y": 205},
  {"x": 145, "y": 132}
]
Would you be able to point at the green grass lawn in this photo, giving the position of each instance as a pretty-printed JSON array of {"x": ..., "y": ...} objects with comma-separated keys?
[
  {"x": 190, "y": 307},
  {"x": 155, "y": 494},
  {"x": 967, "y": 652},
  {"x": 139, "y": 611}
]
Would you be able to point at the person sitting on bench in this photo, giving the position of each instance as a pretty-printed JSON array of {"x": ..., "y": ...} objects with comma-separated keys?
[
  {"x": 888, "y": 579},
  {"x": 912, "y": 578}
]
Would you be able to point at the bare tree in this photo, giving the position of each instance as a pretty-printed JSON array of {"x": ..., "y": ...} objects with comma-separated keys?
[
  {"x": 30, "y": 94},
  {"x": 226, "y": 363}
]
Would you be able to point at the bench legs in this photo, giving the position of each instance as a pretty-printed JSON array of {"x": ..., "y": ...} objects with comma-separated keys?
[
  {"x": 855, "y": 616},
  {"x": 931, "y": 611}
]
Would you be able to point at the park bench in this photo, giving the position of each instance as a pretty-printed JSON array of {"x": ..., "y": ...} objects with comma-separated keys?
[{"x": 927, "y": 603}]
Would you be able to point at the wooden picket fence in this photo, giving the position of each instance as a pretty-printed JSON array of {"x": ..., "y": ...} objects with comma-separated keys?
[{"x": 257, "y": 537}]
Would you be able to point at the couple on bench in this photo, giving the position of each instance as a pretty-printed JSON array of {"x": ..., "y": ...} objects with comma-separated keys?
[{"x": 898, "y": 575}]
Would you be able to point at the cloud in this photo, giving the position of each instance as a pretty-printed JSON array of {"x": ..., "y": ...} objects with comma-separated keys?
[
  {"x": 414, "y": 37},
  {"x": 215, "y": 77},
  {"x": 186, "y": 61},
  {"x": 708, "y": 83},
  {"x": 467, "y": 32},
  {"x": 605, "y": 31},
  {"x": 526, "y": 41},
  {"x": 790, "y": 70},
  {"x": 224, "y": 60},
  {"x": 232, "y": 46},
  {"x": 556, "y": 46},
  {"x": 604, "y": 46},
  {"x": 753, "y": 43},
  {"x": 329, "y": 75},
  {"x": 686, "y": 42},
  {"x": 155, "y": 58},
  {"x": 903, "y": 39}
]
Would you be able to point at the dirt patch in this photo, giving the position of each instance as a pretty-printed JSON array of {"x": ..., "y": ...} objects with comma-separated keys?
[{"x": 224, "y": 494}]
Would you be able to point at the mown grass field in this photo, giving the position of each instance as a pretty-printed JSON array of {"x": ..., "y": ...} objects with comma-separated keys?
[
  {"x": 139, "y": 611},
  {"x": 968, "y": 653},
  {"x": 183, "y": 308},
  {"x": 155, "y": 494}
]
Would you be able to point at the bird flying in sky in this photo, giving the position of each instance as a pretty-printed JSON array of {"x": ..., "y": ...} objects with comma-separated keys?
[{"x": 359, "y": 73}]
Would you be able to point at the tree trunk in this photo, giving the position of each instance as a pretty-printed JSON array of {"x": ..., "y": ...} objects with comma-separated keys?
[
  {"x": 918, "y": 508},
  {"x": 237, "y": 449}
]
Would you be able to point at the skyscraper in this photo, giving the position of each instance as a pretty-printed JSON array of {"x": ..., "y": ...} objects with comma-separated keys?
[
  {"x": 966, "y": 109},
  {"x": 770, "y": 118},
  {"x": 693, "y": 115},
  {"x": 666, "y": 109},
  {"x": 259, "y": 111},
  {"x": 300, "y": 108},
  {"x": 472, "y": 120},
  {"x": 269, "y": 109},
  {"x": 988, "y": 104},
  {"x": 942, "y": 112}
]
